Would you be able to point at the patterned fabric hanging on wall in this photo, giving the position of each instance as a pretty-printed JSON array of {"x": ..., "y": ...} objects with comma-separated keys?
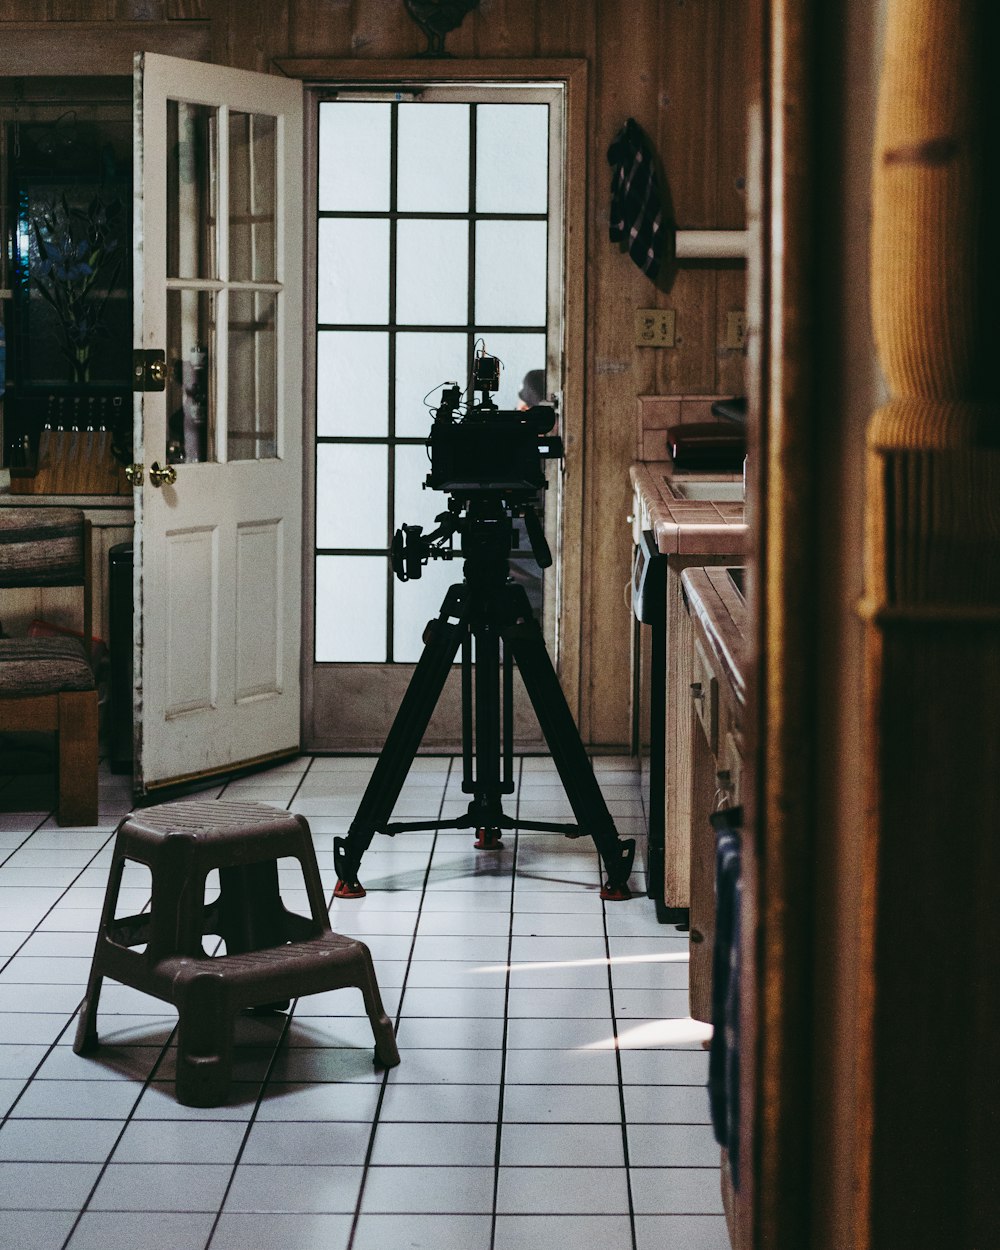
[{"x": 636, "y": 202}]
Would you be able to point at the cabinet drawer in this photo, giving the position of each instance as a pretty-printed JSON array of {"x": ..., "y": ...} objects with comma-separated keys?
[{"x": 705, "y": 696}]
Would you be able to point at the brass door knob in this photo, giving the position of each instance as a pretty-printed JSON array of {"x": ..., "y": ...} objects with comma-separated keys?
[
  {"x": 160, "y": 476},
  {"x": 134, "y": 474}
]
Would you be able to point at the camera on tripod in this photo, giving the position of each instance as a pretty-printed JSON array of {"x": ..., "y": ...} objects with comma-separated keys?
[{"x": 490, "y": 461}]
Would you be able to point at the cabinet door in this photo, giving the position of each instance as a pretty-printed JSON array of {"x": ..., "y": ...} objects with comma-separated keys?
[{"x": 218, "y": 274}]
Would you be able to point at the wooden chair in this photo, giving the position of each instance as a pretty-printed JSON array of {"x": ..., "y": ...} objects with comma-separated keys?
[{"x": 47, "y": 684}]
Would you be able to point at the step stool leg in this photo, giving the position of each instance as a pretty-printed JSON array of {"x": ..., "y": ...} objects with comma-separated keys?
[
  {"x": 86, "y": 1040},
  {"x": 386, "y": 1050},
  {"x": 204, "y": 1041}
]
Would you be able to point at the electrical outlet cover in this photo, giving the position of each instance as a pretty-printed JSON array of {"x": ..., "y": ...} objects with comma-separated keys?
[{"x": 654, "y": 327}]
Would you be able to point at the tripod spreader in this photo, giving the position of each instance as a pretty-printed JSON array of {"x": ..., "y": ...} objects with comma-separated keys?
[{"x": 494, "y": 612}]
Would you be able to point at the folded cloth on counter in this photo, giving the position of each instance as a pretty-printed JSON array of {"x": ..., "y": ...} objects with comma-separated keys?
[
  {"x": 724, "y": 1053},
  {"x": 636, "y": 203}
]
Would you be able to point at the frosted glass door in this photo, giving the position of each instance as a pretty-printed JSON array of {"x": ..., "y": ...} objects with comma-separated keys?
[{"x": 434, "y": 234}]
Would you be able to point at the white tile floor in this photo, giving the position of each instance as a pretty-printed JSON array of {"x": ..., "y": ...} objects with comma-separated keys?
[{"x": 551, "y": 1090}]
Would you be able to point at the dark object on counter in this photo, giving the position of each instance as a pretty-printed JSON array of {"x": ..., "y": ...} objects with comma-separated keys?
[
  {"x": 731, "y": 409},
  {"x": 707, "y": 445},
  {"x": 724, "y": 1053}
]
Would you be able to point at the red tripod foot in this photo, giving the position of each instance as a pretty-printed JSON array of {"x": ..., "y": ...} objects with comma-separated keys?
[
  {"x": 349, "y": 889},
  {"x": 615, "y": 893},
  {"x": 488, "y": 840}
]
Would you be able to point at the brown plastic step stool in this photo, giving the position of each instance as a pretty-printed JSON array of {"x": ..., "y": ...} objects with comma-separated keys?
[{"x": 272, "y": 954}]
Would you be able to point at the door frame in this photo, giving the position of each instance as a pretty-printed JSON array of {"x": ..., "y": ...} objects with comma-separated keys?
[{"x": 572, "y": 76}]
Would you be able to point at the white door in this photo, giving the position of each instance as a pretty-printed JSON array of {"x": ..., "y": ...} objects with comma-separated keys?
[{"x": 218, "y": 272}]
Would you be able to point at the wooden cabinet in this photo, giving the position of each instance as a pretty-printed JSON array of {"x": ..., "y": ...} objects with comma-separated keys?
[
  {"x": 715, "y": 612},
  {"x": 691, "y": 534}
]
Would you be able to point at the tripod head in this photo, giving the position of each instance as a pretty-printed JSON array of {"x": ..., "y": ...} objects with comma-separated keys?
[{"x": 490, "y": 462}]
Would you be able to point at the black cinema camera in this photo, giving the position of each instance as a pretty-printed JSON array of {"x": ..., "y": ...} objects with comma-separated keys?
[{"x": 490, "y": 462}]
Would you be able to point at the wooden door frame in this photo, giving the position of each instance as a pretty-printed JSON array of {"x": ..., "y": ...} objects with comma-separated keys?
[{"x": 773, "y": 1206}]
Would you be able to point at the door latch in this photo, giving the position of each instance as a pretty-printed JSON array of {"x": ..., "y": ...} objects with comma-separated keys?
[{"x": 149, "y": 369}]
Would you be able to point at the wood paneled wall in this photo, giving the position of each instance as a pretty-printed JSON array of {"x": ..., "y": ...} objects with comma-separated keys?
[{"x": 676, "y": 66}]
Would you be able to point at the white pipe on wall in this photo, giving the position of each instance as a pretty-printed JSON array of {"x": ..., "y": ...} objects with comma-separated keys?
[{"x": 710, "y": 244}]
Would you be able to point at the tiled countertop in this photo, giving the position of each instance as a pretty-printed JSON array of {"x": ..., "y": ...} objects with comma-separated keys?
[
  {"x": 688, "y": 526},
  {"x": 714, "y": 599}
]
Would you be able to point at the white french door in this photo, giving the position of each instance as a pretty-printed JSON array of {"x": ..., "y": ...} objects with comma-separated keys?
[
  {"x": 218, "y": 273},
  {"x": 438, "y": 226}
]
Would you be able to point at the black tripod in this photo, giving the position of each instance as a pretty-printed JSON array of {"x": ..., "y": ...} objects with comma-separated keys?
[{"x": 488, "y": 607}]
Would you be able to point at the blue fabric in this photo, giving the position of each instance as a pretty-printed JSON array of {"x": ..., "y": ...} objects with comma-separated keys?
[{"x": 724, "y": 1054}]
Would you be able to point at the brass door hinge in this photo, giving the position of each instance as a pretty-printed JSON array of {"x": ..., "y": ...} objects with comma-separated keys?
[{"x": 149, "y": 369}]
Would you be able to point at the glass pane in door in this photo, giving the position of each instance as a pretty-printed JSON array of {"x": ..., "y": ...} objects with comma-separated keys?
[
  {"x": 352, "y": 265},
  {"x": 351, "y": 515},
  {"x": 352, "y": 380},
  {"x": 522, "y": 378},
  {"x": 432, "y": 271},
  {"x": 424, "y": 363},
  {"x": 512, "y": 158},
  {"x": 433, "y": 161},
  {"x": 192, "y": 190},
  {"x": 351, "y": 603},
  {"x": 253, "y": 154},
  {"x": 190, "y": 377},
  {"x": 511, "y": 273},
  {"x": 253, "y": 380},
  {"x": 354, "y": 160}
]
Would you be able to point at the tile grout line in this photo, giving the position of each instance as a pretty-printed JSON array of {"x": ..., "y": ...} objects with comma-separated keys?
[
  {"x": 506, "y": 1018},
  {"x": 356, "y": 1217},
  {"x": 250, "y": 1122},
  {"x": 27, "y": 838},
  {"x": 115, "y": 1144},
  {"x": 621, "y": 1085},
  {"x": 65, "y": 890}
]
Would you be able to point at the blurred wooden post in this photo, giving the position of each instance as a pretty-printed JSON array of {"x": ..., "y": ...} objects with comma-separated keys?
[{"x": 930, "y": 991}]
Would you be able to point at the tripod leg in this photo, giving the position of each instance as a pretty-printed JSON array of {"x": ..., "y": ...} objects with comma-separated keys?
[
  {"x": 574, "y": 768},
  {"x": 485, "y": 807},
  {"x": 443, "y": 639}
]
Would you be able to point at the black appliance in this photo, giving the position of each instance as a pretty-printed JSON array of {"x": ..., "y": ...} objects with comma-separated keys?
[{"x": 649, "y": 605}]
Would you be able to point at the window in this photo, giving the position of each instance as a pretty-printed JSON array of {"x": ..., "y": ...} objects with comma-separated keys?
[{"x": 438, "y": 226}]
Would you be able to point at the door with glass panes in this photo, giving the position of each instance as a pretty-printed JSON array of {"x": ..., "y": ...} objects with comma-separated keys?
[
  {"x": 438, "y": 232},
  {"x": 218, "y": 472}
]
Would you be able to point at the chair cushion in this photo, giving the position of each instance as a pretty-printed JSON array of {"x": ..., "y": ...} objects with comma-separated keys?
[
  {"x": 35, "y": 666},
  {"x": 41, "y": 546}
]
